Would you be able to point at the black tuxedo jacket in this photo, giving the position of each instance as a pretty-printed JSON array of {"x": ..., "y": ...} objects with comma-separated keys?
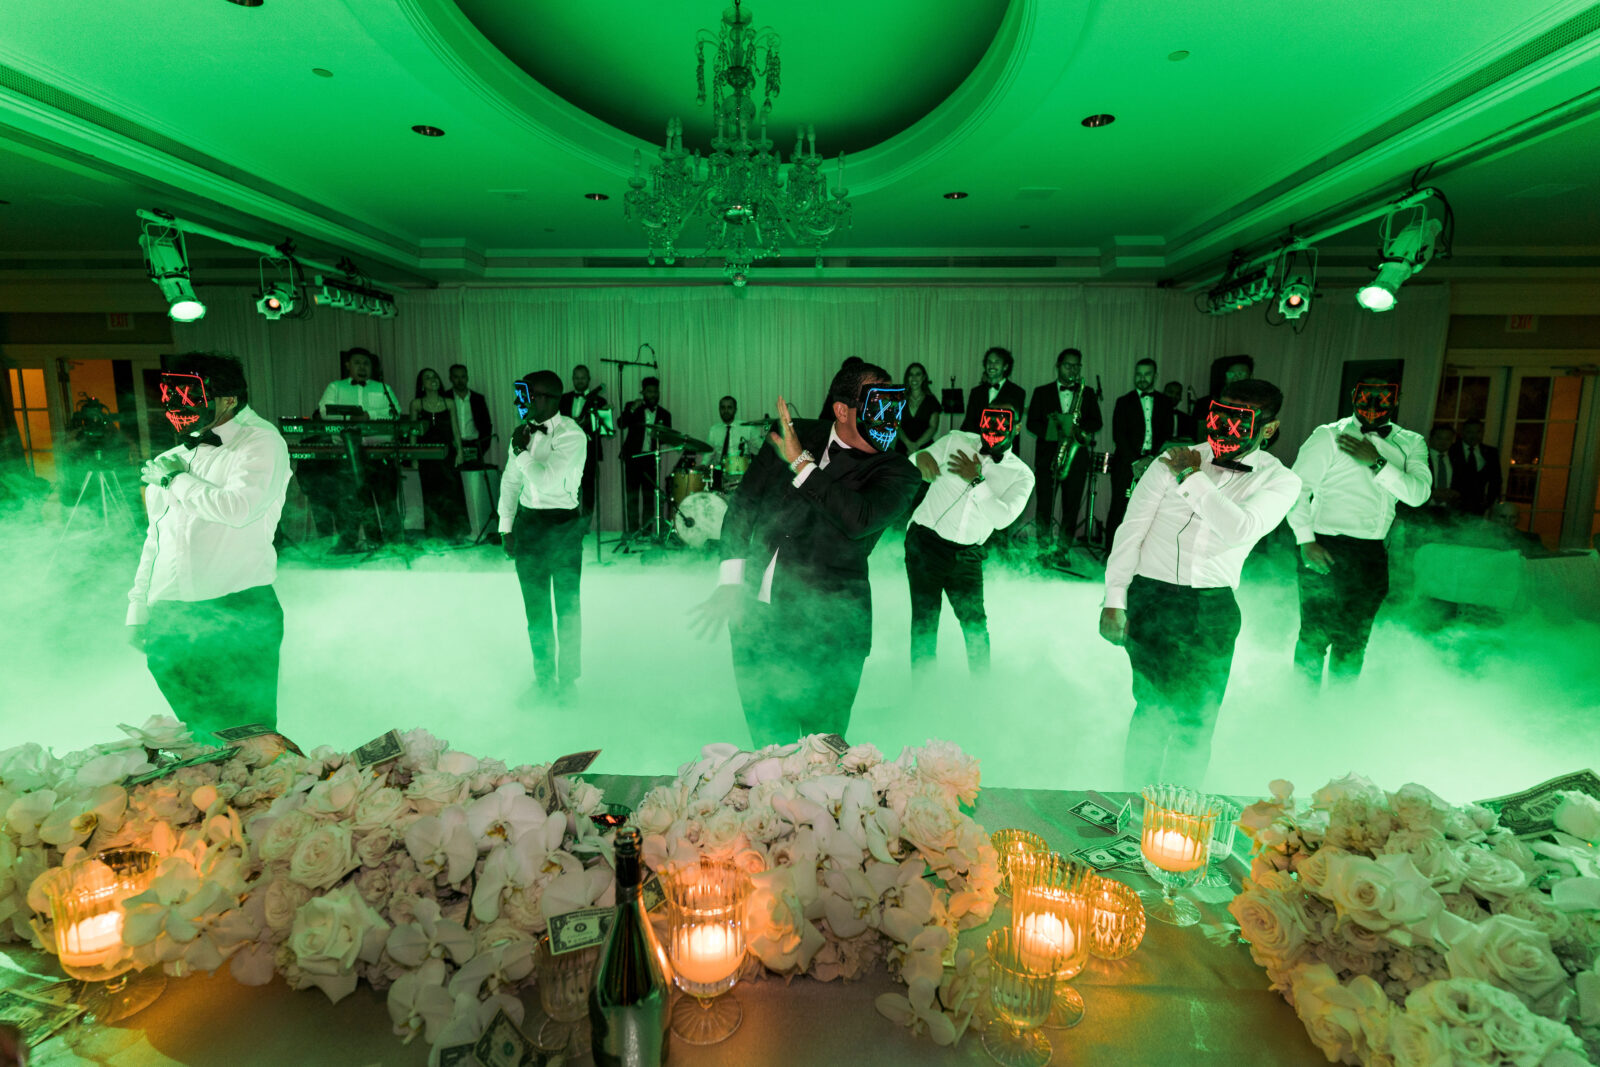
[
  {"x": 480, "y": 417},
  {"x": 1127, "y": 425},
  {"x": 632, "y": 425},
  {"x": 580, "y": 413},
  {"x": 978, "y": 399},
  {"x": 1478, "y": 489},
  {"x": 1046, "y": 402},
  {"x": 822, "y": 533}
]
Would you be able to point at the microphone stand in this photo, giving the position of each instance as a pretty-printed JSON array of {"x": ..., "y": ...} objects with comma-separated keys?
[{"x": 625, "y": 537}]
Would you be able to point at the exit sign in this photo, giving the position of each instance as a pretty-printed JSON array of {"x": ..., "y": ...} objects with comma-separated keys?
[
  {"x": 119, "y": 320},
  {"x": 1522, "y": 324}
]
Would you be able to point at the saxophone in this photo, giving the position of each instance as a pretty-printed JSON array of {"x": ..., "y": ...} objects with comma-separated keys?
[{"x": 1070, "y": 445}]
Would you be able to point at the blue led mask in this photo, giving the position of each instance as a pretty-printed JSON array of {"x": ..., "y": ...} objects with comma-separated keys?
[
  {"x": 878, "y": 414},
  {"x": 524, "y": 400}
]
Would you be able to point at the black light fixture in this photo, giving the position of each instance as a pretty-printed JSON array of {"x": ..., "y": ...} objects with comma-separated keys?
[
  {"x": 597, "y": 196},
  {"x": 247, "y": 3},
  {"x": 322, "y": 72},
  {"x": 1179, "y": 56},
  {"x": 1096, "y": 121},
  {"x": 428, "y": 131},
  {"x": 955, "y": 196}
]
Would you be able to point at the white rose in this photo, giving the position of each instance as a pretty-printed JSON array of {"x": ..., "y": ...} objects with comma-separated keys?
[
  {"x": 1351, "y": 786},
  {"x": 1432, "y": 854},
  {"x": 1313, "y": 869},
  {"x": 1419, "y": 808},
  {"x": 1512, "y": 954},
  {"x": 458, "y": 763},
  {"x": 375, "y": 884},
  {"x": 1415, "y": 1041},
  {"x": 280, "y": 900},
  {"x": 1379, "y": 894},
  {"x": 656, "y": 813},
  {"x": 336, "y": 794},
  {"x": 859, "y": 759},
  {"x": 158, "y": 731},
  {"x": 322, "y": 857},
  {"x": 1331, "y": 1012},
  {"x": 374, "y": 846},
  {"x": 955, "y": 772},
  {"x": 1579, "y": 815},
  {"x": 379, "y": 807},
  {"x": 1535, "y": 907},
  {"x": 1271, "y": 920},
  {"x": 433, "y": 791},
  {"x": 280, "y": 838},
  {"x": 330, "y": 934},
  {"x": 1491, "y": 874},
  {"x": 1457, "y": 1001},
  {"x": 928, "y": 821},
  {"x": 583, "y": 798},
  {"x": 764, "y": 825},
  {"x": 422, "y": 750},
  {"x": 722, "y": 829}
]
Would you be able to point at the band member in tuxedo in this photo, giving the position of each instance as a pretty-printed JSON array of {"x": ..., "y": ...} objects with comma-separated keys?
[
  {"x": 795, "y": 542},
  {"x": 472, "y": 416},
  {"x": 1236, "y": 369},
  {"x": 1475, "y": 467},
  {"x": 732, "y": 445},
  {"x": 1141, "y": 426},
  {"x": 202, "y": 607},
  {"x": 541, "y": 528},
  {"x": 1193, "y": 519},
  {"x": 583, "y": 404},
  {"x": 976, "y": 484},
  {"x": 996, "y": 387},
  {"x": 1048, "y": 421},
  {"x": 369, "y": 503},
  {"x": 1182, "y": 423},
  {"x": 1352, "y": 473},
  {"x": 639, "y": 474}
]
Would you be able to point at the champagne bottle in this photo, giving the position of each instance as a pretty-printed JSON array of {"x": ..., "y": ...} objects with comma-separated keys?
[{"x": 628, "y": 1005}]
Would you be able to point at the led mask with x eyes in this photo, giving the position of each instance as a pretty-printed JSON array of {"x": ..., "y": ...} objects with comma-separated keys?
[
  {"x": 524, "y": 400},
  {"x": 878, "y": 414},
  {"x": 995, "y": 426},
  {"x": 1231, "y": 432},
  {"x": 1374, "y": 403},
  {"x": 184, "y": 399}
]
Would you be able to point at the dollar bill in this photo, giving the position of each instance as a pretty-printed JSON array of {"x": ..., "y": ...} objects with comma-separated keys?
[
  {"x": 651, "y": 895},
  {"x": 837, "y": 743},
  {"x": 36, "y": 1017},
  {"x": 234, "y": 734},
  {"x": 579, "y": 929},
  {"x": 459, "y": 1056},
  {"x": 573, "y": 763},
  {"x": 1101, "y": 815},
  {"x": 503, "y": 1045},
  {"x": 1532, "y": 811},
  {"x": 1123, "y": 850},
  {"x": 219, "y": 756},
  {"x": 544, "y": 793},
  {"x": 379, "y": 750}
]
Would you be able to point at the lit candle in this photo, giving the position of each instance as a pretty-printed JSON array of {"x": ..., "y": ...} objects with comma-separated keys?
[
  {"x": 92, "y": 942},
  {"x": 1173, "y": 850},
  {"x": 1044, "y": 941},
  {"x": 707, "y": 954}
]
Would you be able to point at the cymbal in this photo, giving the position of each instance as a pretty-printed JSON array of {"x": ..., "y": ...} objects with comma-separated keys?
[{"x": 668, "y": 436}]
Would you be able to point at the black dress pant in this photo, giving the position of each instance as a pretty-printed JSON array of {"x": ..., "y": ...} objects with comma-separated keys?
[
  {"x": 1180, "y": 645},
  {"x": 216, "y": 661},
  {"x": 1117, "y": 508},
  {"x": 1337, "y": 609},
  {"x": 589, "y": 487},
  {"x": 639, "y": 484},
  {"x": 1069, "y": 491},
  {"x": 547, "y": 547},
  {"x": 936, "y": 568},
  {"x": 796, "y": 675}
]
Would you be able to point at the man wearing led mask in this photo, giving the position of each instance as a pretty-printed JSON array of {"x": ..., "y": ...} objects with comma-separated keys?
[
  {"x": 793, "y": 585},
  {"x": 1352, "y": 474},
  {"x": 977, "y": 485},
  {"x": 202, "y": 607},
  {"x": 1192, "y": 520}
]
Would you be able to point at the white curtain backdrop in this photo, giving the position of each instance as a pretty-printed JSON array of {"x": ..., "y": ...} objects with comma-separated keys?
[{"x": 712, "y": 341}]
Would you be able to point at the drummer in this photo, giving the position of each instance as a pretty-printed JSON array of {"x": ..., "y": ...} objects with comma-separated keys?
[{"x": 733, "y": 446}]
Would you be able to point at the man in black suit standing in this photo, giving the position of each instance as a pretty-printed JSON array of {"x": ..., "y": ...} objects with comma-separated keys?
[
  {"x": 1141, "y": 423},
  {"x": 582, "y": 405},
  {"x": 639, "y": 476},
  {"x": 1047, "y": 417},
  {"x": 997, "y": 388},
  {"x": 1475, "y": 470},
  {"x": 472, "y": 416},
  {"x": 795, "y": 542}
]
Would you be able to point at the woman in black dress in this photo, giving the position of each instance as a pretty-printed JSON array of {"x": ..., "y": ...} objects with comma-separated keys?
[
  {"x": 920, "y": 423},
  {"x": 444, "y": 502}
]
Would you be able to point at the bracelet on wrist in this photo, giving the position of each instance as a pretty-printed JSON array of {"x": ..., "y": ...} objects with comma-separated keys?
[{"x": 802, "y": 458}]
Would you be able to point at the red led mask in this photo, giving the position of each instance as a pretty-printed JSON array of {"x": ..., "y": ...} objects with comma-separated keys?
[
  {"x": 995, "y": 426},
  {"x": 183, "y": 397},
  {"x": 1230, "y": 430},
  {"x": 1374, "y": 403}
]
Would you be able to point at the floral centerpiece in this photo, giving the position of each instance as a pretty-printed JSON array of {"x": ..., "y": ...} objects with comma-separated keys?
[
  {"x": 1406, "y": 930},
  {"x": 853, "y": 859}
]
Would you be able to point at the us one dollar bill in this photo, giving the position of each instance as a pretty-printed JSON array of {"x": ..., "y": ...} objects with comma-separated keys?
[
  {"x": 234, "y": 734},
  {"x": 35, "y": 1016},
  {"x": 579, "y": 929},
  {"x": 1532, "y": 811},
  {"x": 379, "y": 750},
  {"x": 503, "y": 1045}
]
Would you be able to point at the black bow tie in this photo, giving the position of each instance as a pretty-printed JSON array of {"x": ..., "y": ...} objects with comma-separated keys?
[
  {"x": 538, "y": 427},
  {"x": 1146, "y": 396},
  {"x": 1382, "y": 431},
  {"x": 194, "y": 441}
]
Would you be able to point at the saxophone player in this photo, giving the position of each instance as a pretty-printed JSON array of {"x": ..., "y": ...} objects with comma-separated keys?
[{"x": 1062, "y": 413}]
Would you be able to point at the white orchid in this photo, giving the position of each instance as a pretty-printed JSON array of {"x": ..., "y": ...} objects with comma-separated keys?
[
  {"x": 159, "y": 731},
  {"x": 75, "y": 820},
  {"x": 419, "y": 1003},
  {"x": 430, "y": 937},
  {"x": 494, "y": 969},
  {"x": 442, "y": 844},
  {"x": 504, "y": 816},
  {"x": 114, "y": 766},
  {"x": 530, "y": 863},
  {"x": 25, "y": 813}
]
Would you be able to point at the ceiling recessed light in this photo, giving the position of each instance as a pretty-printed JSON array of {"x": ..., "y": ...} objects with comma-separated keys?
[
  {"x": 1024, "y": 226},
  {"x": 1179, "y": 56},
  {"x": 247, "y": 3},
  {"x": 428, "y": 131},
  {"x": 955, "y": 196},
  {"x": 597, "y": 196},
  {"x": 1096, "y": 121},
  {"x": 322, "y": 72},
  {"x": 549, "y": 229}
]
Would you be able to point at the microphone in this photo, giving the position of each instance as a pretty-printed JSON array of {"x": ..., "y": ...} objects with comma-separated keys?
[{"x": 1099, "y": 390}]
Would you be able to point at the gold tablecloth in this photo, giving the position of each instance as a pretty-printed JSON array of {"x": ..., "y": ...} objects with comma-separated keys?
[{"x": 1187, "y": 996}]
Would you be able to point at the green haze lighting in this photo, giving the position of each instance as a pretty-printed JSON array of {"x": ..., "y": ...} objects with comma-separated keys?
[{"x": 168, "y": 263}]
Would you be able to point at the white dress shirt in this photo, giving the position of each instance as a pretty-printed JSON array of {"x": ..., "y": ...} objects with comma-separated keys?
[
  {"x": 1147, "y": 401},
  {"x": 377, "y": 399},
  {"x": 1339, "y": 494},
  {"x": 548, "y": 475},
  {"x": 464, "y": 419},
  {"x": 1198, "y": 533},
  {"x": 736, "y": 435},
  {"x": 994, "y": 390},
  {"x": 966, "y": 514},
  {"x": 1439, "y": 465},
  {"x": 732, "y": 570},
  {"x": 211, "y": 529}
]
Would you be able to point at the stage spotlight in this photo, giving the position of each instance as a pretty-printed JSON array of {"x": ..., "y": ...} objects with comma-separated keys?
[
  {"x": 168, "y": 263},
  {"x": 1403, "y": 255},
  {"x": 277, "y": 300},
  {"x": 351, "y": 296},
  {"x": 1294, "y": 299}
]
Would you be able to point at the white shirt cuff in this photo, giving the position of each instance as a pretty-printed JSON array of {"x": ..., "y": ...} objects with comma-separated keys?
[
  {"x": 138, "y": 613},
  {"x": 1117, "y": 597},
  {"x": 731, "y": 572},
  {"x": 805, "y": 472}
]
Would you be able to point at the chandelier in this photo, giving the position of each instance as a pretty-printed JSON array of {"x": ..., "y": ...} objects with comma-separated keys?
[{"x": 742, "y": 194}]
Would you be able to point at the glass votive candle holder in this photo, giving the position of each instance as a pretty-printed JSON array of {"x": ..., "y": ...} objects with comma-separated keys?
[
  {"x": 1050, "y": 920},
  {"x": 1011, "y": 844},
  {"x": 1118, "y": 924},
  {"x": 1175, "y": 845},
  {"x": 706, "y": 904},
  {"x": 87, "y": 913},
  {"x": 1222, "y": 833},
  {"x": 564, "y": 981},
  {"x": 1022, "y": 1002}
]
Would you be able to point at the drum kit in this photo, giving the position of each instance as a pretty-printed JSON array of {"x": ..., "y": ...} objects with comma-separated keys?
[{"x": 698, "y": 495}]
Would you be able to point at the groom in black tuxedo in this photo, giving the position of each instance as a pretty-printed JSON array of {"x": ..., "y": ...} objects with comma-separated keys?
[{"x": 795, "y": 543}]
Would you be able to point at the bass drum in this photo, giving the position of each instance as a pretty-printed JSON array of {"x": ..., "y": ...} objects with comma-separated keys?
[{"x": 699, "y": 519}]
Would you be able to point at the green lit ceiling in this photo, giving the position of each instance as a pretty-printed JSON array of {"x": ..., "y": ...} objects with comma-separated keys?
[{"x": 1279, "y": 112}]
